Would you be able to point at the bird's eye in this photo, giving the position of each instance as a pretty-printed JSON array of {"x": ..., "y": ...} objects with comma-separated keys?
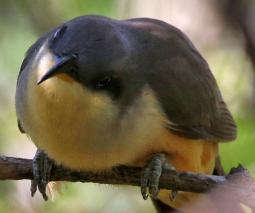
[
  {"x": 108, "y": 84},
  {"x": 103, "y": 83}
]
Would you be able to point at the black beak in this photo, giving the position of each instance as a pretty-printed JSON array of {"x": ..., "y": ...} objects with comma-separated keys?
[{"x": 62, "y": 62}]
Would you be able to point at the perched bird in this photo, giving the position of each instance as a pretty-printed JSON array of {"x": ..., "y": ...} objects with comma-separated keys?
[{"x": 95, "y": 92}]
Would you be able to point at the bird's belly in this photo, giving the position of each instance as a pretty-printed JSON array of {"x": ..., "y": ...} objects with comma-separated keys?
[
  {"x": 81, "y": 129},
  {"x": 76, "y": 141},
  {"x": 63, "y": 119}
]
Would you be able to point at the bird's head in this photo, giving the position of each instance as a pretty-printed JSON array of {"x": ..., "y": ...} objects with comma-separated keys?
[{"x": 96, "y": 57}]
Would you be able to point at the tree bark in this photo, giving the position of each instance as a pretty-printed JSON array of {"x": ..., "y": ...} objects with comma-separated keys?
[{"x": 19, "y": 168}]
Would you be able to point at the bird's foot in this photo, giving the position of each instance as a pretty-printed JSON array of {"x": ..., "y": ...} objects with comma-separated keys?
[
  {"x": 151, "y": 174},
  {"x": 42, "y": 167}
]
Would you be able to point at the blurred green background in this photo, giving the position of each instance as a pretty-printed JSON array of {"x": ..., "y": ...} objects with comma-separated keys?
[{"x": 222, "y": 33}]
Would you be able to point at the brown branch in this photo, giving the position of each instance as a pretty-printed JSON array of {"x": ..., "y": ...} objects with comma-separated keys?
[{"x": 18, "y": 168}]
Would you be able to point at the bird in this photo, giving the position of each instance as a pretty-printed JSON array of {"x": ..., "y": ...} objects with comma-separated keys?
[{"x": 94, "y": 93}]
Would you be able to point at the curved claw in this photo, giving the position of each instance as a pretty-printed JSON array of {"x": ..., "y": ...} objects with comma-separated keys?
[
  {"x": 42, "y": 167},
  {"x": 151, "y": 174},
  {"x": 144, "y": 183},
  {"x": 173, "y": 195}
]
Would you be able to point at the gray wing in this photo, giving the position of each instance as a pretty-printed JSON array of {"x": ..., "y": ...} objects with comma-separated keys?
[
  {"x": 186, "y": 88},
  {"x": 191, "y": 99}
]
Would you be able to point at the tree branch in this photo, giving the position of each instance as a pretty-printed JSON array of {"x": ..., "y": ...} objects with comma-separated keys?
[{"x": 18, "y": 168}]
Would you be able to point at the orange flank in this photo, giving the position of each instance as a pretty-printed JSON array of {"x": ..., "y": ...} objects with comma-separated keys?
[{"x": 185, "y": 155}]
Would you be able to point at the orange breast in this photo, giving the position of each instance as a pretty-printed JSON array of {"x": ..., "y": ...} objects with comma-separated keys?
[
  {"x": 185, "y": 155},
  {"x": 189, "y": 155}
]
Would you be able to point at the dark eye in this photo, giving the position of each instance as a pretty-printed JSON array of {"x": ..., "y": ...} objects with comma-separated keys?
[
  {"x": 108, "y": 84},
  {"x": 103, "y": 83}
]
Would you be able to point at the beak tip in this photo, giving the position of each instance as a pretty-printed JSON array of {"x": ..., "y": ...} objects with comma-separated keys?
[
  {"x": 39, "y": 81},
  {"x": 45, "y": 77}
]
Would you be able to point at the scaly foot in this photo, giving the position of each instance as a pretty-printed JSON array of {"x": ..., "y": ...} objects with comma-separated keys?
[
  {"x": 42, "y": 166},
  {"x": 151, "y": 174}
]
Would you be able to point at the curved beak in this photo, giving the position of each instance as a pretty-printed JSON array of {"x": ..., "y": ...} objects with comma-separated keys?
[{"x": 61, "y": 62}]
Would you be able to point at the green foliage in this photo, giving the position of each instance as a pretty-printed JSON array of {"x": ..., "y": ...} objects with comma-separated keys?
[
  {"x": 81, "y": 7},
  {"x": 242, "y": 150}
]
